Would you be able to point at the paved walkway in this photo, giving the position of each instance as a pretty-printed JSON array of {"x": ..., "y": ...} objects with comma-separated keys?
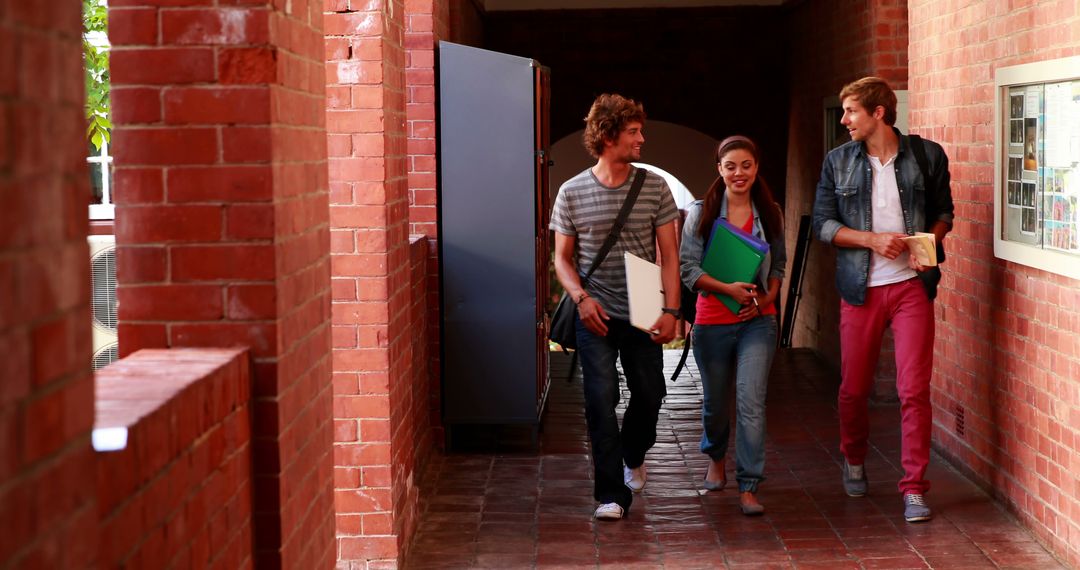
[{"x": 505, "y": 506}]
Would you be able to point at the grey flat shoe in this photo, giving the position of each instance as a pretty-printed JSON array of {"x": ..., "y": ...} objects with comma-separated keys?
[{"x": 716, "y": 485}]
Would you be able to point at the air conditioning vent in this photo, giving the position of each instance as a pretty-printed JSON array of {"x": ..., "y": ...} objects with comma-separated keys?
[
  {"x": 105, "y": 356},
  {"x": 103, "y": 286},
  {"x": 103, "y": 299}
]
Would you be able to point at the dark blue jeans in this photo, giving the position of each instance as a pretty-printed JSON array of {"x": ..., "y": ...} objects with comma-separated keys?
[{"x": 643, "y": 365}]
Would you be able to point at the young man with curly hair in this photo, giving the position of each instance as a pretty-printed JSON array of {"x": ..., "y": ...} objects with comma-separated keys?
[{"x": 585, "y": 210}]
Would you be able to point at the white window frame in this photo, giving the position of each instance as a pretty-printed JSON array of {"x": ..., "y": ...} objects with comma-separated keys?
[
  {"x": 1053, "y": 71},
  {"x": 105, "y": 210}
]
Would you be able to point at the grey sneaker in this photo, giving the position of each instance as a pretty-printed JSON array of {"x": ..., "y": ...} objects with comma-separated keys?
[
  {"x": 634, "y": 477},
  {"x": 915, "y": 509},
  {"x": 855, "y": 483}
]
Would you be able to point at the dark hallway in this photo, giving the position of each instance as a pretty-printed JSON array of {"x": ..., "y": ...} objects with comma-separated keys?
[
  {"x": 680, "y": 63},
  {"x": 506, "y": 507}
]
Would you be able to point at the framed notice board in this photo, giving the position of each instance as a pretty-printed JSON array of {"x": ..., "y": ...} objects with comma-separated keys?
[{"x": 1037, "y": 165}]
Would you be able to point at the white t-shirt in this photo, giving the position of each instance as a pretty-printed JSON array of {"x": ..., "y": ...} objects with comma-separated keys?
[{"x": 888, "y": 216}]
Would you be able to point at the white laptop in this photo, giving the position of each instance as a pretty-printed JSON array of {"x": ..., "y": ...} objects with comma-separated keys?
[{"x": 644, "y": 289}]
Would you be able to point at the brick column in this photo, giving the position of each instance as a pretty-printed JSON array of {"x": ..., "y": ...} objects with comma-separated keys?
[
  {"x": 427, "y": 22},
  {"x": 222, "y": 228},
  {"x": 830, "y": 46},
  {"x": 369, "y": 228},
  {"x": 47, "y": 509}
]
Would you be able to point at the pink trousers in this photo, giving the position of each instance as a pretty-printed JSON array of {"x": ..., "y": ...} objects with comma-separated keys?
[{"x": 903, "y": 307}]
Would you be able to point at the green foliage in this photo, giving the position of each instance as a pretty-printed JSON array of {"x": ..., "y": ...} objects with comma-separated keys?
[{"x": 95, "y": 19}]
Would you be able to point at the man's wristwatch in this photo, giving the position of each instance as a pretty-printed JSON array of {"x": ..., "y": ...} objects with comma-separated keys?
[{"x": 673, "y": 312}]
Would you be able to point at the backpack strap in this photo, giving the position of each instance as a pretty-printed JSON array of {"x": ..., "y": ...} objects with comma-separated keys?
[{"x": 919, "y": 150}]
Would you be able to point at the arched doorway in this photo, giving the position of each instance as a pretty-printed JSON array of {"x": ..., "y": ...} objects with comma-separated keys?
[{"x": 684, "y": 156}]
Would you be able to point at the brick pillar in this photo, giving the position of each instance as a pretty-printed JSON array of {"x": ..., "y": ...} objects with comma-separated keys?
[
  {"x": 888, "y": 60},
  {"x": 366, "y": 126},
  {"x": 889, "y": 41},
  {"x": 222, "y": 228},
  {"x": 833, "y": 44},
  {"x": 427, "y": 22},
  {"x": 48, "y": 514}
]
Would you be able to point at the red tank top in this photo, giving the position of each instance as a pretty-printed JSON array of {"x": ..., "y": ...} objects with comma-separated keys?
[{"x": 710, "y": 311}]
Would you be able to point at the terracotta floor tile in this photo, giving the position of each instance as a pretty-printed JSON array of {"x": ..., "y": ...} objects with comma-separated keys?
[
  {"x": 814, "y": 545},
  {"x": 911, "y": 561},
  {"x": 556, "y": 563},
  {"x": 827, "y": 565},
  {"x": 819, "y": 533},
  {"x": 505, "y": 561},
  {"x": 771, "y": 565},
  {"x": 817, "y": 554},
  {"x": 499, "y": 504},
  {"x": 678, "y": 563},
  {"x": 881, "y": 549},
  {"x": 505, "y": 547},
  {"x": 960, "y": 562}
]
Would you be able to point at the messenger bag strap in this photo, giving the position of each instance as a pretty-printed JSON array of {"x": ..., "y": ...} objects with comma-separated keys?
[
  {"x": 616, "y": 228},
  {"x": 685, "y": 353}
]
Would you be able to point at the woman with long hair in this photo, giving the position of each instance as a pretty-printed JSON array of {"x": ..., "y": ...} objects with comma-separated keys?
[{"x": 731, "y": 345}]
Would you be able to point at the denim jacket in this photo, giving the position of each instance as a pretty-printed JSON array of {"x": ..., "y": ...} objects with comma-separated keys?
[
  {"x": 692, "y": 248},
  {"x": 843, "y": 200}
]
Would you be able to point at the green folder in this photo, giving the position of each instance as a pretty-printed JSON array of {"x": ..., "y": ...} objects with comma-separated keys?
[{"x": 729, "y": 258}]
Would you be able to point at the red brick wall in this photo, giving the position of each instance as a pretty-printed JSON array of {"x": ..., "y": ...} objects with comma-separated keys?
[
  {"x": 427, "y": 22},
  {"x": 1008, "y": 353},
  {"x": 46, "y": 395},
  {"x": 411, "y": 441},
  {"x": 222, "y": 227},
  {"x": 366, "y": 68},
  {"x": 424, "y": 354},
  {"x": 831, "y": 44},
  {"x": 178, "y": 495}
]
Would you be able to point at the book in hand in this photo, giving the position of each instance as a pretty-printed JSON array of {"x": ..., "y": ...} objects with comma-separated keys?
[
  {"x": 644, "y": 289},
  {"x": 733, "y": 256},
  {"x": 924, "y": 247}
]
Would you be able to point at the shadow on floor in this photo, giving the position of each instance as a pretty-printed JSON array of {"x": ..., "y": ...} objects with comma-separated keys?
[{"x": 503, "y": 505}]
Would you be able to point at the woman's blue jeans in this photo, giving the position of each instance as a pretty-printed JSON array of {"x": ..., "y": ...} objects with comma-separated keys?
[
  {"x": 743, "y": 351},
  {"x": 643, "y": 364}
]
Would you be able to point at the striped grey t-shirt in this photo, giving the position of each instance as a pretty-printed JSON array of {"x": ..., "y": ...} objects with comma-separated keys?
[{"x": 586, "y": 209}]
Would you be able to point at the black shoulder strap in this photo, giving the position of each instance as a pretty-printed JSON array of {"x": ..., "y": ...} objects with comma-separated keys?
[
  {"x": 685, "y": 353},
  {"x": 919, "y": 149},
  {"x": 616, "y": 228}
]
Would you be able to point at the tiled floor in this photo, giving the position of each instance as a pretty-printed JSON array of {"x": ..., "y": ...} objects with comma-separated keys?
[{"x": 505, "y": 506}]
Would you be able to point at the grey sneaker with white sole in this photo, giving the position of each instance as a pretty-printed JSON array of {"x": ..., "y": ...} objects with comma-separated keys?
[{"x": 915, "y": 508}]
